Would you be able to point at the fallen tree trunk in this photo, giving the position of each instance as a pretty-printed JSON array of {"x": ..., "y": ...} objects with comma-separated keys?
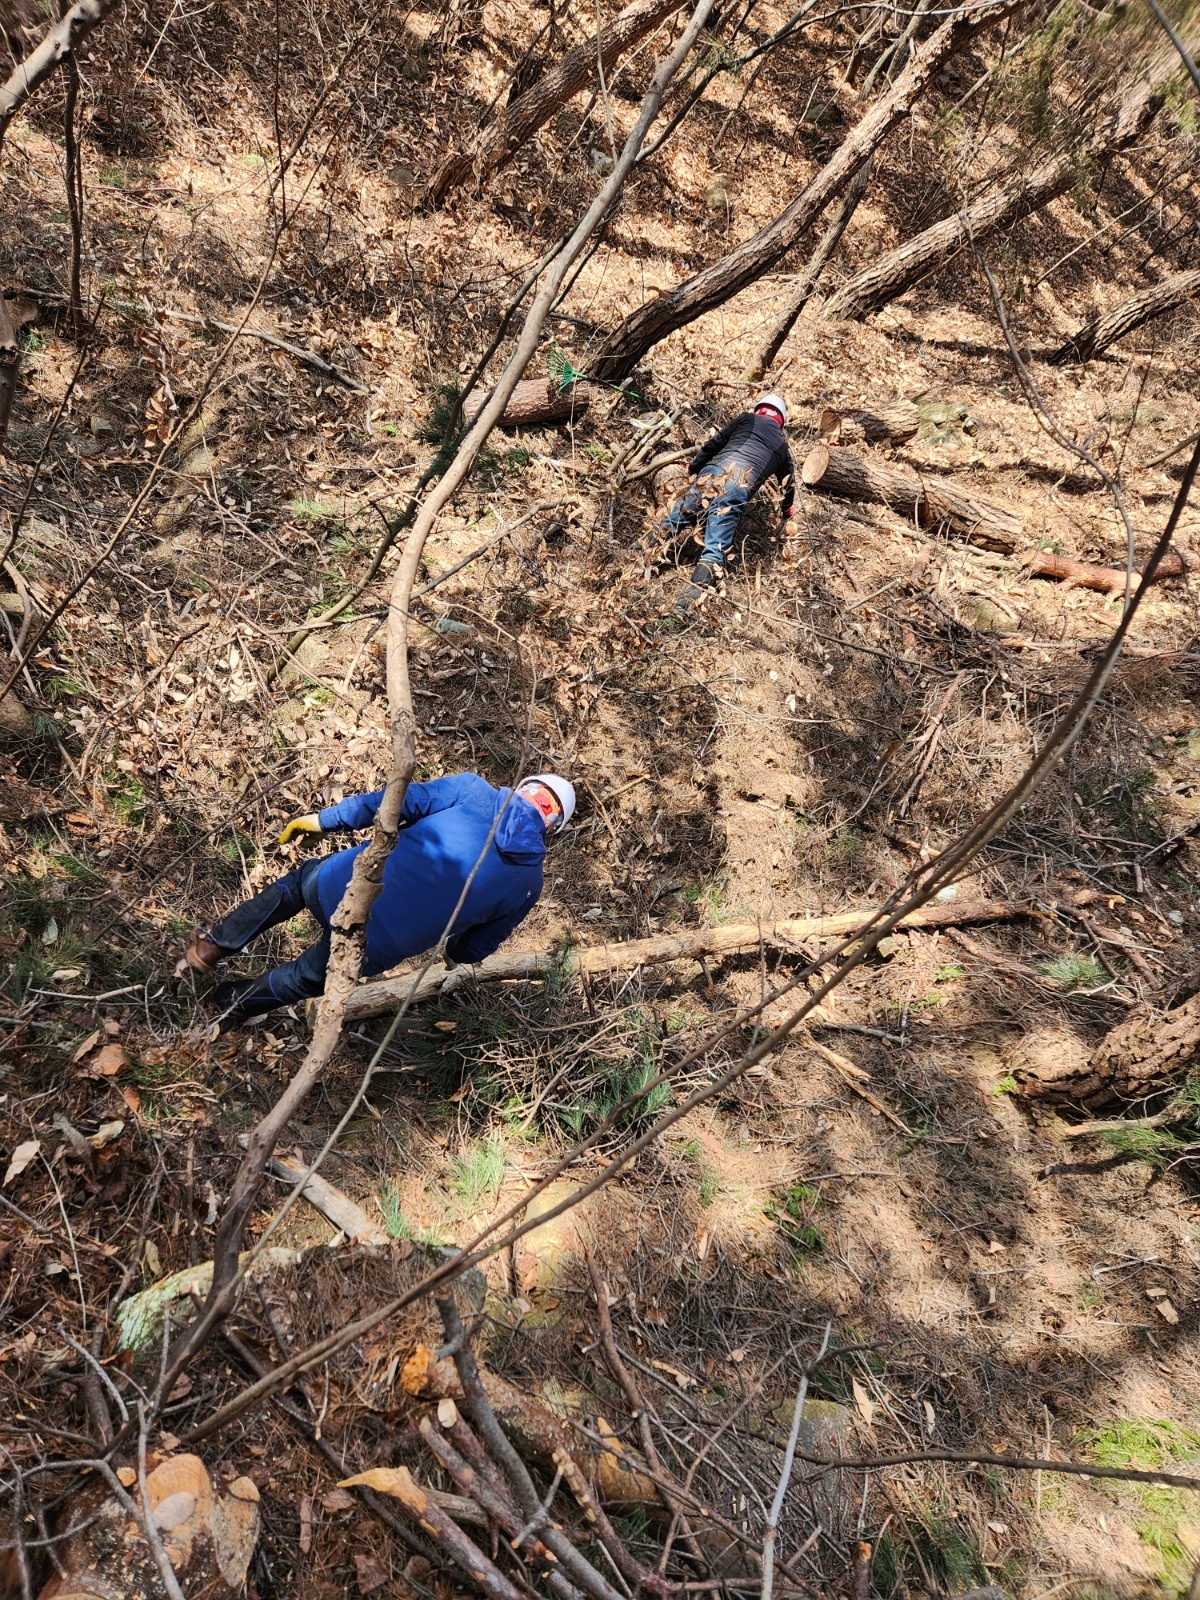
[
  {"x": 901, "y": 269},
  {"x": 807, "y": 282},
  {"x": 517, "y": 123},
  {"x": 890, "y": 424},
  {"x": 384, "y": 994},
  {"x": 1149, "y": 1053},
  {"x": 534, "y": 401},
  {"x": 1096, "y": 335},
  {"x": 931, "y": 502},
  {"x": 716, "y": 284}
]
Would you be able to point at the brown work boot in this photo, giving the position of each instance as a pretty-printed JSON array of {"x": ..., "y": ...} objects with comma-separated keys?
[{"x": 203, "y": 955}]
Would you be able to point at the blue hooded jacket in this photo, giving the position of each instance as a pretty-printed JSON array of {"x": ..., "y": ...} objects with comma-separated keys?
[{"x": 444, "y": 832}]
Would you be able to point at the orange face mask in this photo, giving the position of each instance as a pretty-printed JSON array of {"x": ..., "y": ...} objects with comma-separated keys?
[{"x": 545, "y": 801}]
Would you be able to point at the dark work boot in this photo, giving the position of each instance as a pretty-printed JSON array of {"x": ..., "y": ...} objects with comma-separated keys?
[{"x": 702, "y": 578}]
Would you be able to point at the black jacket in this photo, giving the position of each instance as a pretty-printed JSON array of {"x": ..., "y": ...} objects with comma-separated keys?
[{"x": 754, "y": 442}]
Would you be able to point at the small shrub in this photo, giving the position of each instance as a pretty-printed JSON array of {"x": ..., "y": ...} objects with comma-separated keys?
[
  {"x": 1074, "y": 972},
  {"x": 395, "y": 1223},
  {"x": 476, "y": 1174}
]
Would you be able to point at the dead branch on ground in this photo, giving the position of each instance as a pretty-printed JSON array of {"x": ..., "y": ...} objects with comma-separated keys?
[{"x": 384, "y": 994}]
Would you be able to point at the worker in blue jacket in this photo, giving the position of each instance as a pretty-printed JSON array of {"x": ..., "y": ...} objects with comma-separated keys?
[{"x": 456, "y": 833}]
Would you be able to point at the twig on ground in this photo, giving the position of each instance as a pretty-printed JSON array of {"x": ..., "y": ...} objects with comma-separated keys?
[
  {"x": 785, "y": 1476},
  {"x": 986, "y": 1458},
  {"x": 640, "y": 1410}
]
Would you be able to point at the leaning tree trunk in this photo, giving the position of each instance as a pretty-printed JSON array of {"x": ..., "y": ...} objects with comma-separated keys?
[
  {"x": 1096, "y": 336},
  {"x": 517, "y": 123},
  {"x": 1147, "y": 1054},
  {"x": 807, "y": 281},
  {"x": 712, "y": 287},
  {"x": 64, "y": 37},
  {"x": 900, "y": 269},
  {"x": 930, "y": 501}
]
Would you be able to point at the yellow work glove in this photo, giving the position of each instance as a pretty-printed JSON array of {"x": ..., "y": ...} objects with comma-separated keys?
[{"x": 299, "y": 827}]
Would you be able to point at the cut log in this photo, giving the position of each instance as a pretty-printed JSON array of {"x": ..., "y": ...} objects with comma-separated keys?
[
  {"x": 903, "y": 268},
  {"x": 712, "y": 287},
  {"x": 931, "y": 502},
  {"x": 670, "y": 482},
  {"x": 382, "y": 995},
  {"x": 140, "y": 1318},
  {"x": 1147, "y": 1054},
  {"x": 208, "y": 1534},
  {"x": 1096, "y": 335},
  {"x": 534, "y": 401},
  {"x": 1107, "y": 580},
  {"x": 516, "y": 124},
  {"x": 890, "y": 424}
]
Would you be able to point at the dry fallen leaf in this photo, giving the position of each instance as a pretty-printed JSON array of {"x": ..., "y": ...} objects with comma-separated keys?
[
  {"x": 335, "y": 1500},
  {"x": 106, "y": 1133},
  {"x": 306, "y": 1508},
  {"x": 90, "y": 1043},
  {"x": 683, "y": 1379},
  {"x": 21, "y": 1157},
  {"x": 108, "y": 1062},
  {"x": 930, "y": 1418},
  {"x": 444, "y": 1025},
  {"x": 866, "y": 1406},
  {"x": 371, "y": 1575},
  {"x": 131, "y": 1098},
  {"x": 1166, "y": 1311},
  {"x": 736, "y": 1355}
]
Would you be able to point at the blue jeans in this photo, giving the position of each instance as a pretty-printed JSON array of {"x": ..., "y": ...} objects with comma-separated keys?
[
  {"x": 296, "y": 891},
  {"x": 717, "y": 499}
]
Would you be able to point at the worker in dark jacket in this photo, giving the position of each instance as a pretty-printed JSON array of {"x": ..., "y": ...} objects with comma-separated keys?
[
  {"x": 456, "y": 833},
  {"x": 726, "y": 473}
]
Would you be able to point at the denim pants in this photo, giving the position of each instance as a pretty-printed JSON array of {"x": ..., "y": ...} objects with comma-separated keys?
[
  {"x": 717, "y": 499},
  {"x": 279, "y": 902}
]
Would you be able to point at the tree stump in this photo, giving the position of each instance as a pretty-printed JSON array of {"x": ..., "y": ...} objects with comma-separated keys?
[
  {"x": 890, "y": 424},
  {"x": 931, "y": 502},
  {"x": 534, "y": 401},
  {"x": 208, "y": 1533}
]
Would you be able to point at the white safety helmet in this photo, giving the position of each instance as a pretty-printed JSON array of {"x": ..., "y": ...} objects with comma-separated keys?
[
  {"x": 775, "y": 401},
  {"x": 560, "y": 788}
]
